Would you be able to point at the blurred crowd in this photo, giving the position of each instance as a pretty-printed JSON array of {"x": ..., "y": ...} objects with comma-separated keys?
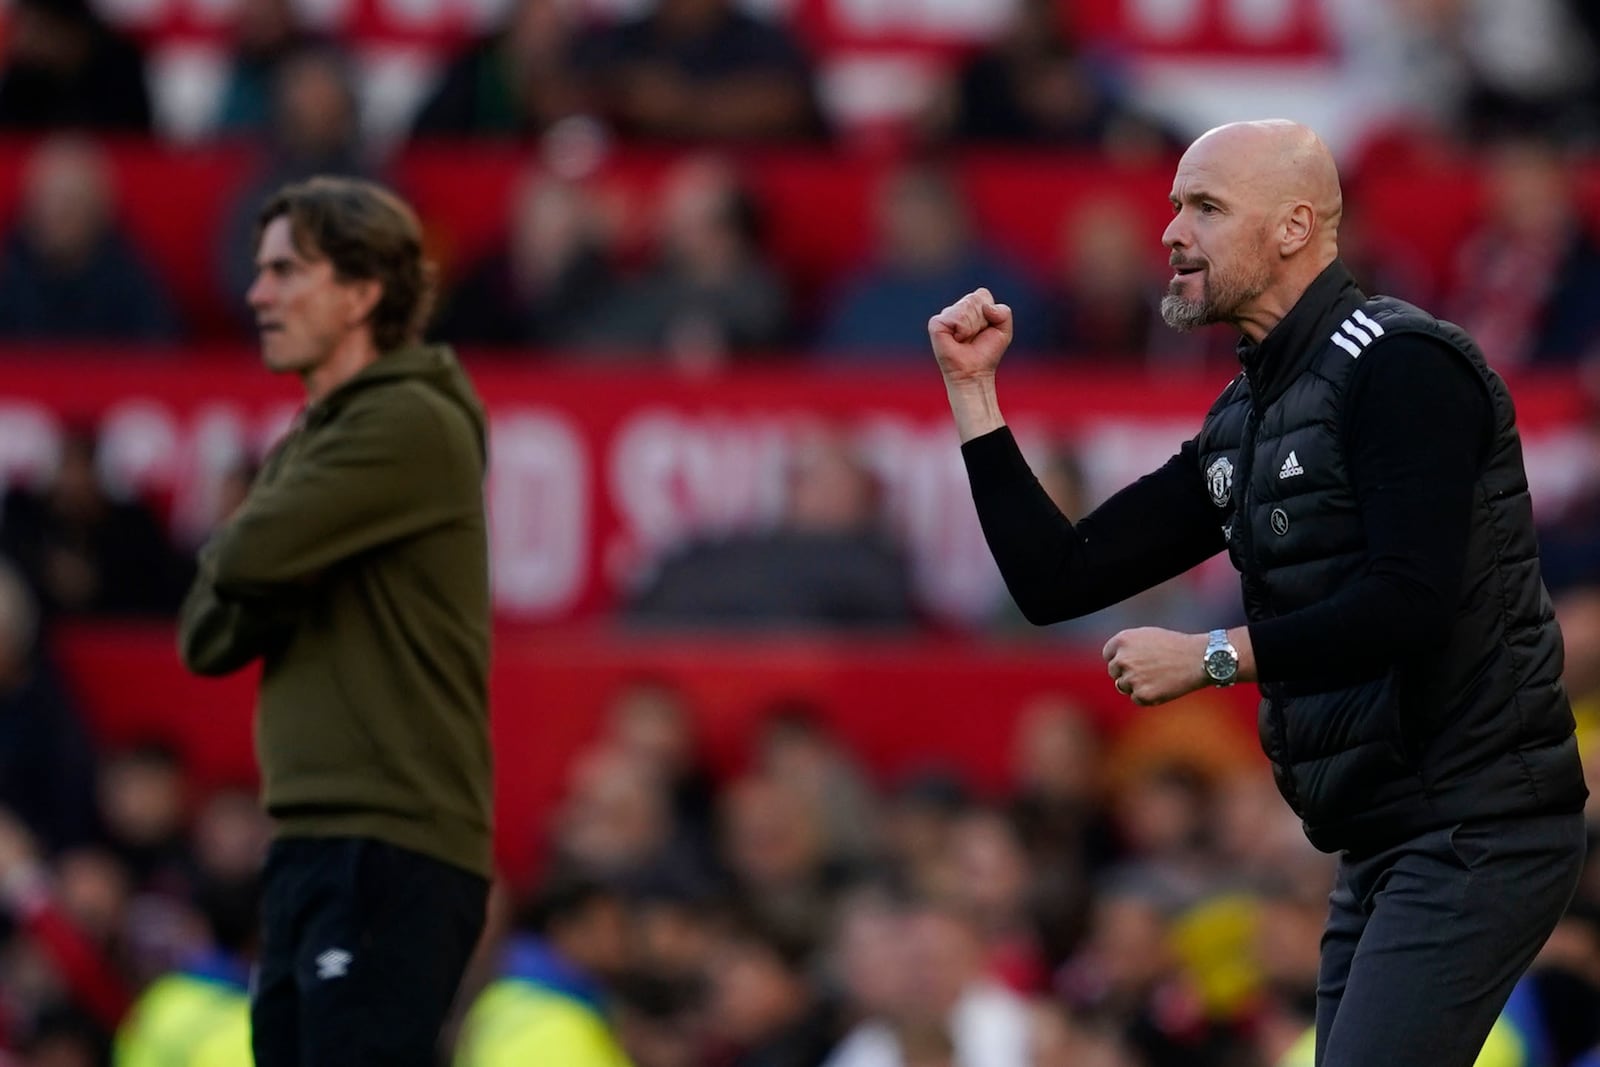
[
  {"x": 708, "y": 78},
  {"x": 1139, "y": 901}
]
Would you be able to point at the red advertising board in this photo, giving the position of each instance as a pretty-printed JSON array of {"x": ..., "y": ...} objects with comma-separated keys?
[{"x": 596, "y": 473}]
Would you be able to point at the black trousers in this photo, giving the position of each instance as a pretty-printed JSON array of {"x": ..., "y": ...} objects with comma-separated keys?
[
  {"x": 1426, "y": 939},
  {"x": 363, "y": 946}
]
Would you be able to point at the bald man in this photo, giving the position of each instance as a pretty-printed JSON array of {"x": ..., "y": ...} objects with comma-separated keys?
[{"x": 1364, "y": 474}]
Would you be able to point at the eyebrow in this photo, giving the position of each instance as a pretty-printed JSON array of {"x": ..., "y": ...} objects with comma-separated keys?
[
  {"x": 1195, "y": 196},
  {"x": 275, "y": 263}
]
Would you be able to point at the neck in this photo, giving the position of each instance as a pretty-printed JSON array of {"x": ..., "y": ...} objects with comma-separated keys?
[
  {"x": 1268, "y": 309},
  {"x": 354, "y": 355}
]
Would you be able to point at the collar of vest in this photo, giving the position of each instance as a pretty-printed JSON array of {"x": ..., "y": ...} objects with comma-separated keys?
[{"x": 1299, "y": 337}]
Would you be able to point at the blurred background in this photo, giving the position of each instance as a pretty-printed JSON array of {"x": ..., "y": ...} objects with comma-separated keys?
[{"x": 782, "y": 775}]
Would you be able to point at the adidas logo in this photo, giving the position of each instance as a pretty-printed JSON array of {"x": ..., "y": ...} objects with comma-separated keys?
[
  {"x": 334, "y": 963},
  {"x": 1291, "y": 467},
  {"x": 1356, "y": 333}
]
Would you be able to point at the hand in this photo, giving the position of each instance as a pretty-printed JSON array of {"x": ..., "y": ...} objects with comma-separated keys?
[
  {"x": 1152, "y": 666},
  {"x": 970, "y": 336}
]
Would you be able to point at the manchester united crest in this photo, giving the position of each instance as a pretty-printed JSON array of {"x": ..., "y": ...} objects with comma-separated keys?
[{"x": 1219, "y": 480}]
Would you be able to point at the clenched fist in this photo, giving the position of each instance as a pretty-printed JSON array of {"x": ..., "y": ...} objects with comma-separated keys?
[
  {"x": 970, "y": 336},
  {"x": 1152, "y": 666}
]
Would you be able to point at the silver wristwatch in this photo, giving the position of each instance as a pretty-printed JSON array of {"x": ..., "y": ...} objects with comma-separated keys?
[{"x": 1222, "y": 659}]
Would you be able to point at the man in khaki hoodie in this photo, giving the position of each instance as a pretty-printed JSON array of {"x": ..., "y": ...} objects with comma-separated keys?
[{"x": 357, "y": 571}]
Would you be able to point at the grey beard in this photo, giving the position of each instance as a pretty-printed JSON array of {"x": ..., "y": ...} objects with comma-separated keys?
[{"x": 1184, "y": 315}]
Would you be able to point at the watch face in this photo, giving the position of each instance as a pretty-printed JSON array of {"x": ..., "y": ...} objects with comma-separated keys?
[{"x": 1221, "y": 665}]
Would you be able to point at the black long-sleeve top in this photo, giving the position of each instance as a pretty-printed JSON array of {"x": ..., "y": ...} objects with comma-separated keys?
[{"x": 1417, "y": 425}]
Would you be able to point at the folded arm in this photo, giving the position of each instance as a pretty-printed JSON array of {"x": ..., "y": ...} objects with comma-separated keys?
[{"x": 372, "y": 480}]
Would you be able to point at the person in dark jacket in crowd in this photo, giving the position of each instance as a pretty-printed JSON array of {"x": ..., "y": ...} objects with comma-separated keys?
[
  {"x": 357, "y": 570},
  {"x": 1365, "y": 476},
  {"x": 65, "y": 67},
  {"x": 85, "y": 552}
]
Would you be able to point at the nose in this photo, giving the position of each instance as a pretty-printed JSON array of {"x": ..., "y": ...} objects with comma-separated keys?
[
  {"x": 257, "y": 295},
  {"x": 1176, "y": 234}
]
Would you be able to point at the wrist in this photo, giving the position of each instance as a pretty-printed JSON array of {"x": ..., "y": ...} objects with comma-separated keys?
[
  {"x": 1240, "y": 636},
  {"x": 975, "y": 405},
  {"x": 1203, "y": 678}
]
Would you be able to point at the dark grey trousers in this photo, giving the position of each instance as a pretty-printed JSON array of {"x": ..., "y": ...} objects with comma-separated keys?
[{"x": 1426, "y": 939}]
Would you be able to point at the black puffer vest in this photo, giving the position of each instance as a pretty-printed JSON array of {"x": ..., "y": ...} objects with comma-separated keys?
[{"x": 1479, "y": 728}]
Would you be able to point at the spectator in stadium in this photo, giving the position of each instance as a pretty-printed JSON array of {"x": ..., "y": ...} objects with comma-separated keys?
[
  {"x": 825, "y": 565},
  {"x": 516, "y": 82},
  {"x": 358, "y": 567},
  {"x": 919, "y": 820},
  {"x": 1366, "y": 476},
  {"x": 266, "y": 35},
  {"x": 942, "y": 989},
  {"x": 698, "y": 70},
  {"x": 708, "y": 295},
  {"x": 1526, "y": 273},
  {"x": 650, "y": 719},
  {"x": 1129, "y": 973},
  {"x": 37, "y": 909},
  {"x": 1491, "y": 68},
  {"x": 926, "y": 250},
  {"x": 1061, "y": 1039},
  {"x": 549, "y": 1003},
  {"x": 65, "y": 1037},
  {"x": 199, "y": 1014},
  {"x": 1382, "y": 261},
  {"x": 993, "y": 886},
  {"x": 545, "y": 284},
  {"x": 796, "y": 747},
  {"x": 84, "y": 552},
  {"x": 1587, "y": 18},
  {"x": 65, "y": 68},
  {"x": 1283, "y": 951},
  {"x": 1104, "y": 301},
  {"x": 144, "y": 792},
  {"x": 1035, "y": 86},
  {"x": 1578, "y": 612},
  {"x": 775, "y": 851},
  {"x": 615, "y": 822},
  {"x": 671, "y": 924},
  {"x": 47, "y": 763},
  {"x": 658, "y": 1021},
  {"x": 1056, "y": 804},
  {"x": 314, "y": 130},
  {"x": 1569, "y": 540},
  {"x": 864, "y": 960},
  {"x": 761, "y": 1001},
  {"x": 1164, "y": 816},
  {"x": 68, "y": 272}
]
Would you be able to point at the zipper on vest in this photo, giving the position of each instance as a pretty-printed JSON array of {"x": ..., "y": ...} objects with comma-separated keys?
[
  {"x": 1252, "y": 576},
  {"x": 1247, "y": 463}
]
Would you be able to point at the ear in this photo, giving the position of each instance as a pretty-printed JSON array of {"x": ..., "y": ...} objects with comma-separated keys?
[
  {"x": 362, "y": 297},
  {"x": 1298, "y": 226}
]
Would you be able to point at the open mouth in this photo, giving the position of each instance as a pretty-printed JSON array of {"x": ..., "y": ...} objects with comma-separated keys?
[{"x": 1184, "y": 270}]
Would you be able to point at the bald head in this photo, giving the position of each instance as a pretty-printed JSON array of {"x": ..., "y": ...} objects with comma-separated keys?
[
  {"x": 1279, "y": 162},
  {"x": 1257, "y": 208}
]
